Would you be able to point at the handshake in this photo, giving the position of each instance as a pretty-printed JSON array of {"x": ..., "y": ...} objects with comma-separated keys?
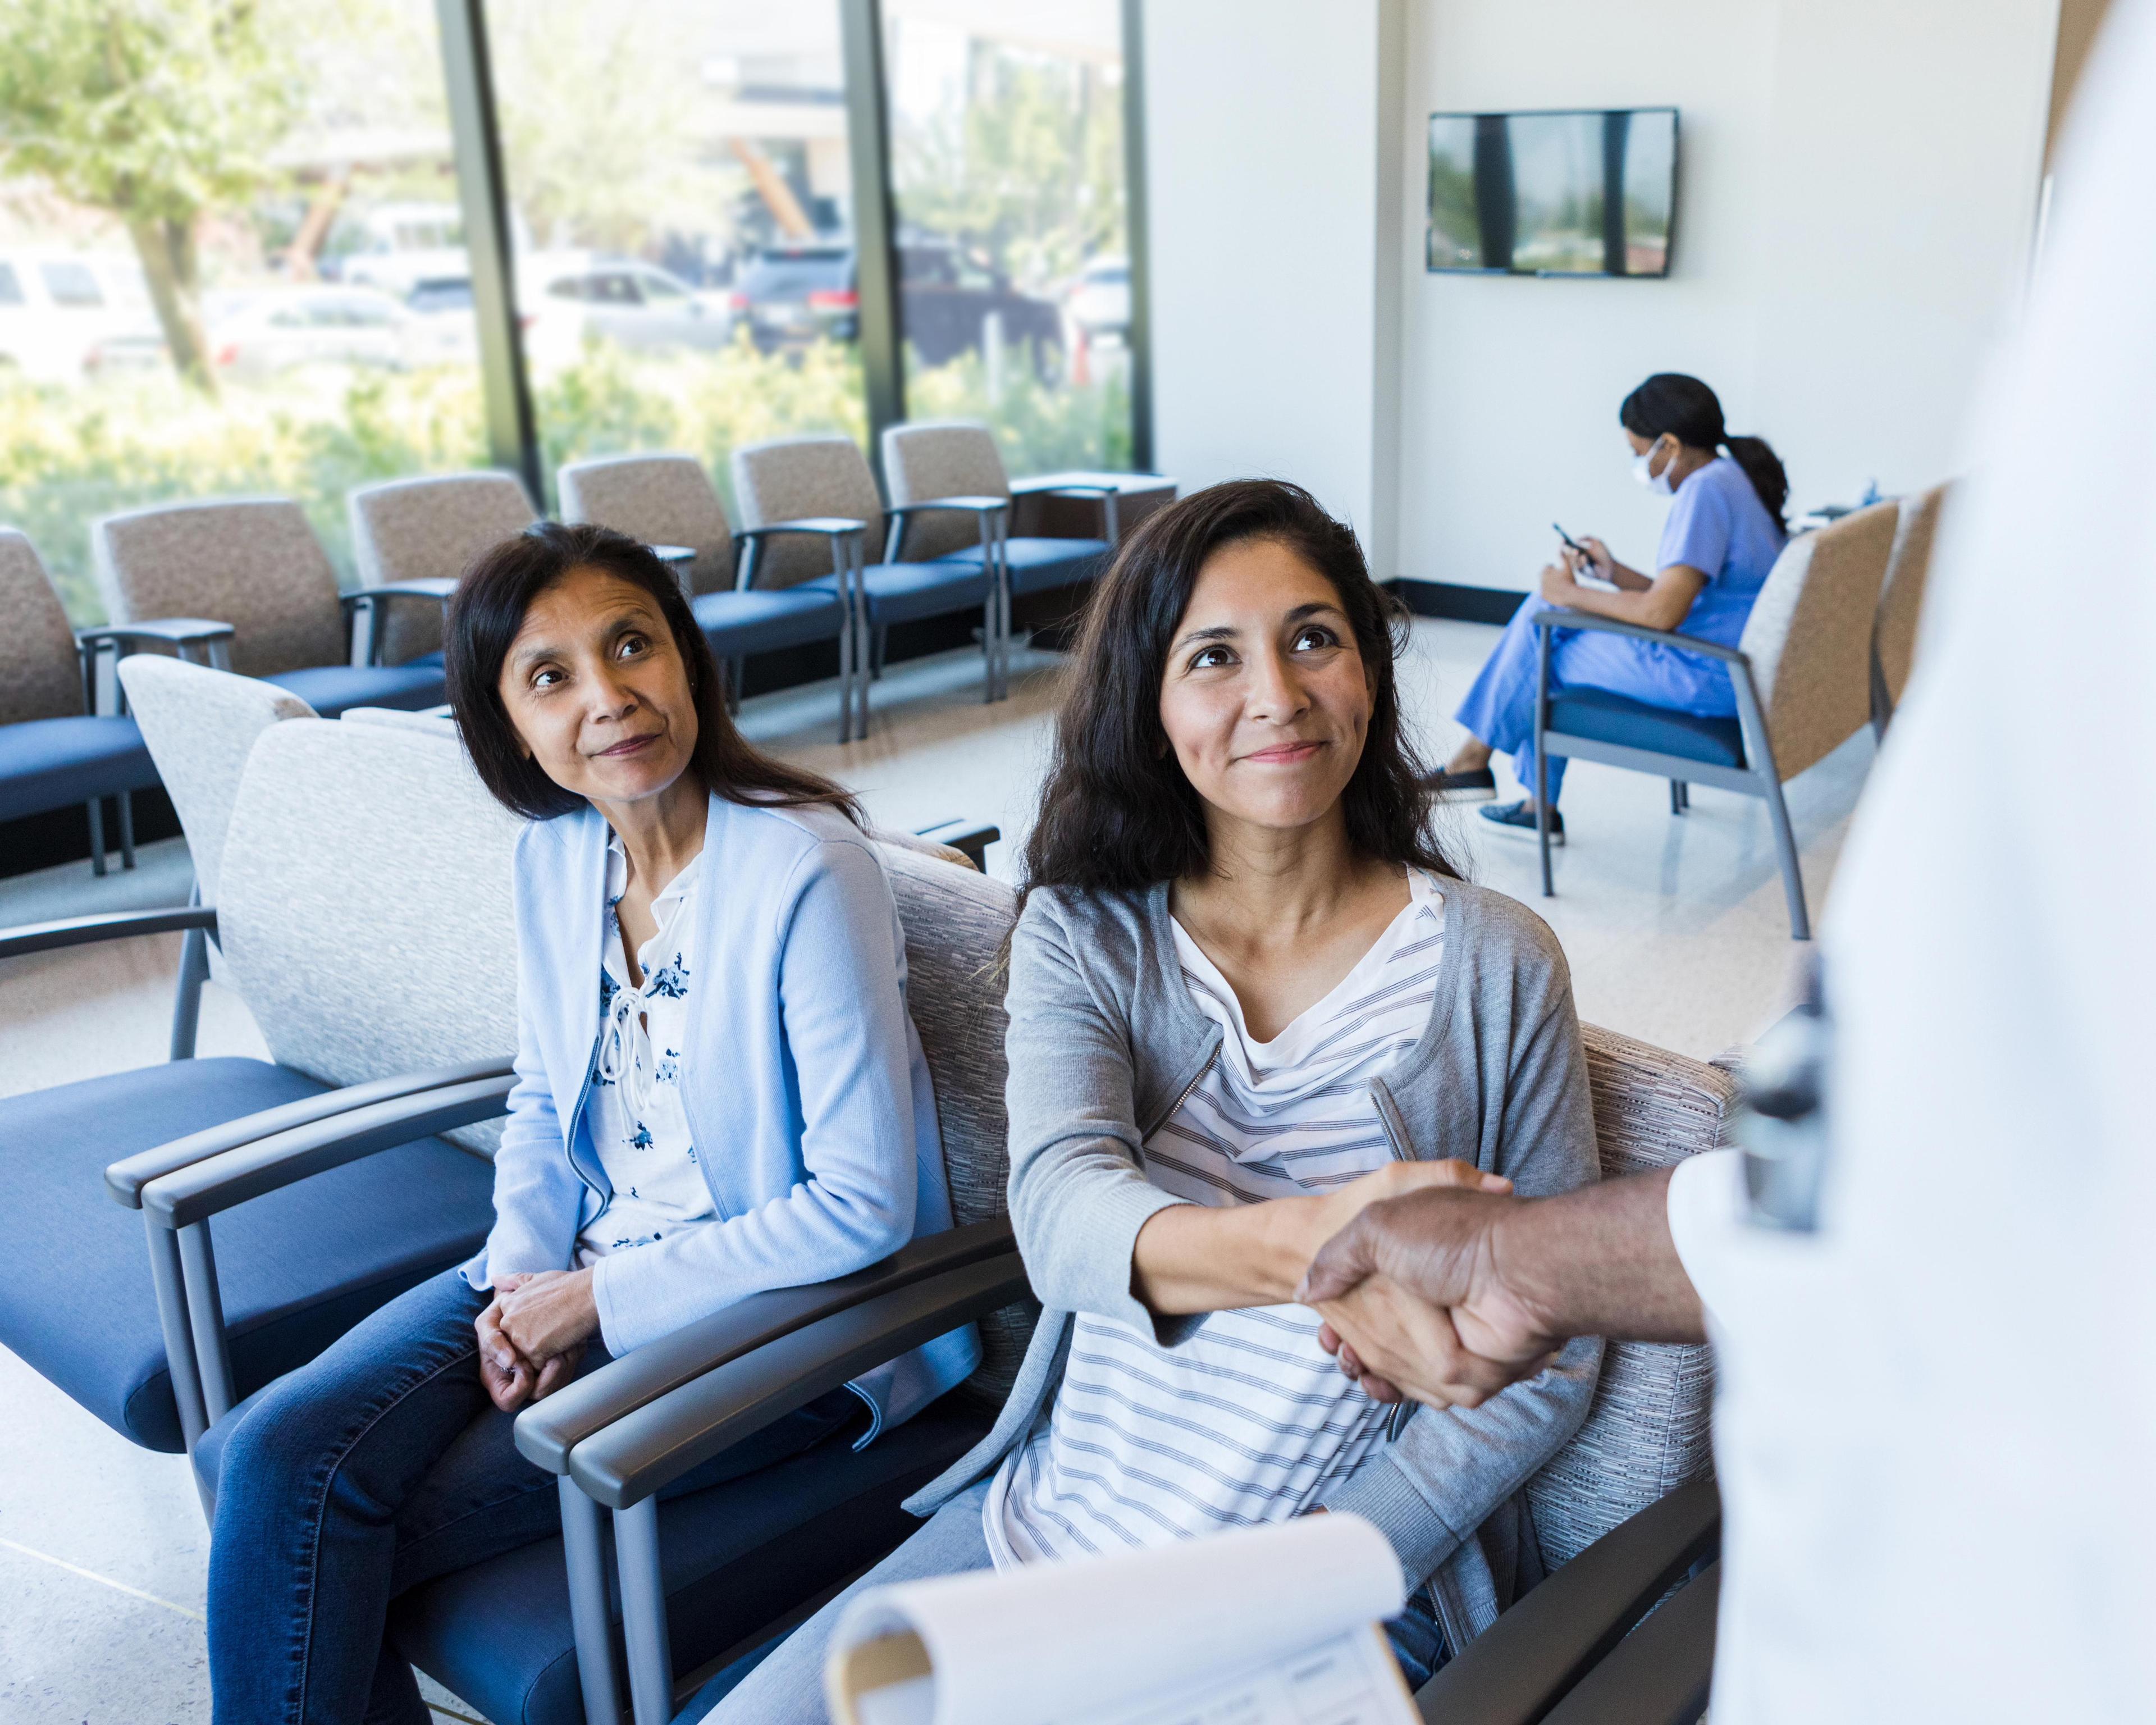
[{"x": 1444, "y": 1288}]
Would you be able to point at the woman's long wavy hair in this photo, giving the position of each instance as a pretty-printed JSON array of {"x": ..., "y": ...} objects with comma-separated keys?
[
  {"x": 1116, "y": 812},
  {"x": 488, "y": 609}
]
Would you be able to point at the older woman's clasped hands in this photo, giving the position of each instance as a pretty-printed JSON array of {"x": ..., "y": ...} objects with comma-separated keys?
[{"x": 531, "y": 1338}]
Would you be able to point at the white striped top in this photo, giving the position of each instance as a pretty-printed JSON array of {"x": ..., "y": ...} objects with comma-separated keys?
[{"x": 1249, "y": 1420}]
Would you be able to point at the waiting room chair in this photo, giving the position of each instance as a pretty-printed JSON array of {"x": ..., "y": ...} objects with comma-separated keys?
[
  {"x": 1894, "y": 628},
  {"x": 363, "y": 914},
  {"x": 957, "y": 458},
  {"x": 422, "y": 534},
  {"x": 255, "y": 563},
  {"x": 56, "y": 747},
  {"x": 669, "y": 499},
  {"x": 1801, "y": 671},
  {"x": 200, "y": 725},
  {"x": 794, "y": 490}
]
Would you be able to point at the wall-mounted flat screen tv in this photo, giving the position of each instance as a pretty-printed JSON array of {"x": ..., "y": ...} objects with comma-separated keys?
[{"x": 1575, "y": 192}]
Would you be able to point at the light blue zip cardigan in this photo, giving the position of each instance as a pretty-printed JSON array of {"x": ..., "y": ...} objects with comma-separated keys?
[{"x": 806, "y": 1091}]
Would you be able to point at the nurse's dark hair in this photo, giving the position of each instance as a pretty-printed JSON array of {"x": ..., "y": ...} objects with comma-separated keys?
[
  {"x": 1690, "y": 412},
  {"x": 1116, "y": 812},
  {"x": 487, "y": 611}
]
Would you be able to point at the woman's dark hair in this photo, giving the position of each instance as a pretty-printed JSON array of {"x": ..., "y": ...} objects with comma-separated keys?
[
  {"x": 488, "y": 609},
  {"x": 1691, "y": 413},
  {"x": 1115, "y": 811}
]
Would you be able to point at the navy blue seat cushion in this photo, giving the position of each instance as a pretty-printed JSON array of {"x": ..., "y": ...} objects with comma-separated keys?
[
  {"x": 1038, "y": 565},
  {"x": 1606, "y": 717},
  {"x": 762, "y": 621},
  {"x": 297, "y": 1267},
  {"x": 903, "y": 592},
  {"x": 734, "y": 1558},
  {"x": 49, "y": 763},
  {"x": 330, "y": 689}
]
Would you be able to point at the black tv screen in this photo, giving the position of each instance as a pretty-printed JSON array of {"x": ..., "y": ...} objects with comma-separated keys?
[{"x": 1572, "y": 191}]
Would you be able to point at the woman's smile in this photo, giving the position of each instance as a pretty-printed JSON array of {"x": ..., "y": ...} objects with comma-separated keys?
[
  {"x": 1284, "y": 754},
  {"x": 630, "y": 746}
]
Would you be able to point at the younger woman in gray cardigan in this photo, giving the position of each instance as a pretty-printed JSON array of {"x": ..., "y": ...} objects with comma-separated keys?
[{"x": 1248, "y": 994}]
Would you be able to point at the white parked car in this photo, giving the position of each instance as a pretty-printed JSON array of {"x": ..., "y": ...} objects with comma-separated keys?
[
  {"x": 395, "y": 247},
  {"x": 564, "y": 297},
  {"x": 261, "y": 335},
  {"x": 66, "y": 313},
  {"x": 1100, "y": 302}
]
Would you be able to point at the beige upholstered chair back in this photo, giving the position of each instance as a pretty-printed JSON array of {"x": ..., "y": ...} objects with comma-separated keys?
[
  {"x": 40, "y": 676},
  {"x": 1648, "y": 1430},
  {"x": 793, "y": 477},
  {"x": 251, "y": 562},
  {"x": 956, "y": 921},
  {"x": 943, "y": 458},
  {"x": 662, "y": 500},
  {"x": 1810, "y": 636},
  {"x": 1901, "y": 600},
  {"x": 430, "y": 529},
  {"x": 200, "y": 725},
  {"x": 364, "y": 904}
]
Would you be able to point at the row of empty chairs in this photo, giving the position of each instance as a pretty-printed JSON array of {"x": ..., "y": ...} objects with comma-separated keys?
[
  {"x": 244, "y": 584},
  {"x": 356, "y": 876},
  {"x": 1828, "y": 649}
]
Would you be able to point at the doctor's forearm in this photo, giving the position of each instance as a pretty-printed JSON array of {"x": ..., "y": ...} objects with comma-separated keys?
[{"x": 1600, "y": 1261}]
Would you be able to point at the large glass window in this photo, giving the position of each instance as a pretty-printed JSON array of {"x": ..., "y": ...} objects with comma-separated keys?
[
  {"x": 229, "y": 262},
  {"x": 682, "y": 208},
  {"x": 1007, "y": 168}
]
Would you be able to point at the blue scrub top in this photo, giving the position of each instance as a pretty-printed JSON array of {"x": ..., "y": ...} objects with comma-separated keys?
[{"x": 1718, "y": 525}]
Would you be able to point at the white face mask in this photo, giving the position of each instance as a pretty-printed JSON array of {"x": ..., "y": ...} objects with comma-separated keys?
[{"x": 1643, "y": 470}]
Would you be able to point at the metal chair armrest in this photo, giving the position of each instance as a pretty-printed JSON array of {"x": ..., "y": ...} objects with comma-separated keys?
[
  {"x": 110, "y": 926},
  {"x": 548, "y": 1432},
  {"x": 202, "y": 1188},
  {"x": 1662, "y": 1672},
  {"x": 641, "y": 1452},
  {"x": 979, "y": 504},
  {"x": 180, "y": 631},
  {"x": 830, "y": 526},
  {"x": 970, "y": 838},
  {"x": 1061, "y": 488},
  {"x": 1559, "y": 617},
  {"x": 126, "y": 1179},
  {"x": 431, "y": 586},
  {"x": 989, "y": 510},
  {"x": 1538, "y": 1651}
]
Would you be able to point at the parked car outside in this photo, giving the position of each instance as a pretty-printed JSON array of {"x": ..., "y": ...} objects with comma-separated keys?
[
  {"x": 259, "y": 335},
  {"x": 1099, "y": 302},
  {"x": 60, "y": 309},
  {"x": 396, "y": 246},
  {"x": 565, "y": 297},
  {"x": 443, "y": 329},
  {"x": 792, "y": 294}
]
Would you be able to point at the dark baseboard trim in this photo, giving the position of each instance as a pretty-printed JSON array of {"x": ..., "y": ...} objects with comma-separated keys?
[{"x": 1462, "y": 604}]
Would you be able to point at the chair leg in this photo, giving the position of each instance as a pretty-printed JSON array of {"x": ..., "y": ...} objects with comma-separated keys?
[
  {"x": 96, "y": 807},
  {"x": 583, "y": 1546},
  {"x": 1786, "y": 847},
  {"x": 127, "y": 829},
  {"x": 644, "y": 1612},
  {"x": 1680, "y": 796},
  {"x": 990, "y": 664}
]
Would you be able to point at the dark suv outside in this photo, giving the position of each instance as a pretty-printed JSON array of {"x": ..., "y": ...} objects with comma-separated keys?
[{"x": 792, "y": 295}]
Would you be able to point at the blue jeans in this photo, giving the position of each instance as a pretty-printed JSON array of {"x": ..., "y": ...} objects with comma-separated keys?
[
  {"x": 379, "y": 1465},
  {"x": 786, "y": 1687},
  {"x": 1500, "y": 707}
]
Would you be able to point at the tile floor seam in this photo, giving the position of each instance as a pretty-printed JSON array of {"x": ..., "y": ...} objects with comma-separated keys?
[{"x": 46, "y": 1557}]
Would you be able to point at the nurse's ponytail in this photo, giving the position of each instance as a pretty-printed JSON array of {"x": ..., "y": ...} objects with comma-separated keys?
[{"x": 1690, "y": 412}]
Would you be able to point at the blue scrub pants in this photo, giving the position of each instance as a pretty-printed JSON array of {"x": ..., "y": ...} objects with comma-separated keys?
[{"x": 1500, "y": 709}]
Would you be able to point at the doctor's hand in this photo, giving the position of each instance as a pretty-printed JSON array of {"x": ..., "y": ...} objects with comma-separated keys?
[
  {"x": 1558, "y": 587},
  {"x": 1599, "y": 559},
  {"x": 1416, "y": 1305}
]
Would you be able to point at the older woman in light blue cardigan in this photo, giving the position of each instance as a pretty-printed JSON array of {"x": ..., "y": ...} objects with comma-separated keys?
[{"x": 718, "y": 1091}]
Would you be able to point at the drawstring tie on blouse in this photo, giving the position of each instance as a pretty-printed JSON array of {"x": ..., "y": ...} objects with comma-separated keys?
[{"x": 625, "y": 1056}]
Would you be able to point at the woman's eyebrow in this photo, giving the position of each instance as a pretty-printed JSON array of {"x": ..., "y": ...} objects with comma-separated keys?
[{"x": 1218, "y": 632}]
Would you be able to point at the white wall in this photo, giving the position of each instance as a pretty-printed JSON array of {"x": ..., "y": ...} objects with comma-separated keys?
[
  {"x": 1265, "y": 151},
  {"x": 1857, "y": 186}
]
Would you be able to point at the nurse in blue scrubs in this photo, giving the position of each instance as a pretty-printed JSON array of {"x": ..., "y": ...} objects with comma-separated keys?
[{"x": 1723, "y": 533}]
